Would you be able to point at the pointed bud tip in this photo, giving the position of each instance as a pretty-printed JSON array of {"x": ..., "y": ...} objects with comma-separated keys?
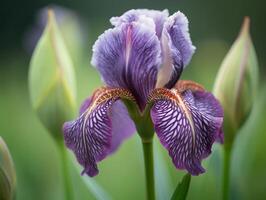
[
  {"x": 50, "y": 13},
  {"x": 245, "y": 26}
]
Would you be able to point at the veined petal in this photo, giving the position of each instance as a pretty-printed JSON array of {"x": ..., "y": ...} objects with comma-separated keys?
[
  {"x": 128, "y": 56},
  {"x": 187, "y": 120},
  {"x": 177, "y": 49},
  {"x": 159, "y": 17},
  {"x": 96, "y": 133},
  {"x": 122, "y": 125}
]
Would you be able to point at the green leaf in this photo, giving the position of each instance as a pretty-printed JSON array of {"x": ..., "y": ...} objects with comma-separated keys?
[
  {"x": 52, "y": 79},
  {"x": 182, "y": 188},
  {"x": 95, "y": 189}
]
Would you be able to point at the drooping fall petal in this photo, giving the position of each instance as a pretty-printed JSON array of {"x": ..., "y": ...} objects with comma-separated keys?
[
  {"x": 187, "y": 121},
  {"x": 122, "y": 125},
  {"x": 90, "y": 136}
]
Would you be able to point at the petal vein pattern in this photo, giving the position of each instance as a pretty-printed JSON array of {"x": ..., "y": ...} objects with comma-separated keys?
[
  {"x": 187, "y": 124},
  {"x": 128, "y": 56},
  {"x": 90, "y": 135}
]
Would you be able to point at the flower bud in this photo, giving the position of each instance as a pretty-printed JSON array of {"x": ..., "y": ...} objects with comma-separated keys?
[
  {"x": 7, "y": 173},
  {"x": 236, "y": 82},
  {"x": 73, "y": 31},
  {"x": 52, "y": 79}
]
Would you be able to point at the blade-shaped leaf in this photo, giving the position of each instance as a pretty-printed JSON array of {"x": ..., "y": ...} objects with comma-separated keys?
[
  {"x": 94, "y": 188},
  {"x": 182, "y": 188}
]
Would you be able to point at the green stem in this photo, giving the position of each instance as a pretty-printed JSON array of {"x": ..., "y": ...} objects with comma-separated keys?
[
  {"x": 65, "y": 172},
  {"x": 226, "y": 171},
  {"x": 149, "y": 169}
]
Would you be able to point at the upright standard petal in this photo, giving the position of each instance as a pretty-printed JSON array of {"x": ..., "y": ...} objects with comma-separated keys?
[
  {"x": 177, "y": 49},
  {"x": 177, "y": 28},
  {"x": 91, "y": 136},
  {"x": 128, "y": 56},
  {"x": 159, "y": 17},
  {"x": 187, "y": 120}
]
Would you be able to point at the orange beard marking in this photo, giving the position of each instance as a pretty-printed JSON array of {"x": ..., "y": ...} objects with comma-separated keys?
[{"x": 184, "y": 85}]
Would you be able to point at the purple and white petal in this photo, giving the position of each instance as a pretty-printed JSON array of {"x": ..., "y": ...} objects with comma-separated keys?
[
  {"x": 159, "y": 17},
  {"x": 172, "y": 65},
  {"x": 128, "y": 56},
  {"x": 177, "y": 50},
  {"x": 96, "y": 133},
  {"x": 177, "y": 28},
  {"x": 187, "y": 125}
]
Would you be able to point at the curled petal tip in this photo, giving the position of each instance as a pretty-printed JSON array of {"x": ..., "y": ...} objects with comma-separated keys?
[
  {"x": 220, "y": 137},
  {"x": 90, "y": 171}
]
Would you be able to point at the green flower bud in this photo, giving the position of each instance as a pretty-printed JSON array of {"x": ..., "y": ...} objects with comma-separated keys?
[
  {"x": 236, "y": 82},
  {"x": 52, "y": 79},
  {"x": 7, "y": 173}
]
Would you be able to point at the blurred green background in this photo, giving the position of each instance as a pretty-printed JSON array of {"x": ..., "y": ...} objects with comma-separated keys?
[{"x": 213, "y": 27}]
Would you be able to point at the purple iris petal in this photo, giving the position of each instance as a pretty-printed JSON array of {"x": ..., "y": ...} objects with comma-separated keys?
[
  {"x": 128, "y": 56},
  {"x": 187, "y": 124},
  {"x": 159, "y": 17},
  {"x": 96, "y": 132},
  {"x": 177, "y": 28},
  {"x": 85, "y": 104},
  {"x": 122, "y": 125},
  {"x": 177, "y": 49}
]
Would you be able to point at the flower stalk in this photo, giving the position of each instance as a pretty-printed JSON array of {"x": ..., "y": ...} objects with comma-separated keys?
[
  {"x": 149, "y": 168},
  {"x": 69, "y": 195},
  {"x": 226, "y": 171}
]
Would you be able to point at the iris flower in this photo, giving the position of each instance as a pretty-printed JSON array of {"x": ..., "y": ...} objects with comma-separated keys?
[{"x": 140, "y": 61}]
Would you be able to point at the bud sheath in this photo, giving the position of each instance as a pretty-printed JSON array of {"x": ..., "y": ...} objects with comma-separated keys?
[
  {"x": 52, "y": 79},
  {"x": 7, "y": 173},
  {"x": 236, "y": 82}
]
